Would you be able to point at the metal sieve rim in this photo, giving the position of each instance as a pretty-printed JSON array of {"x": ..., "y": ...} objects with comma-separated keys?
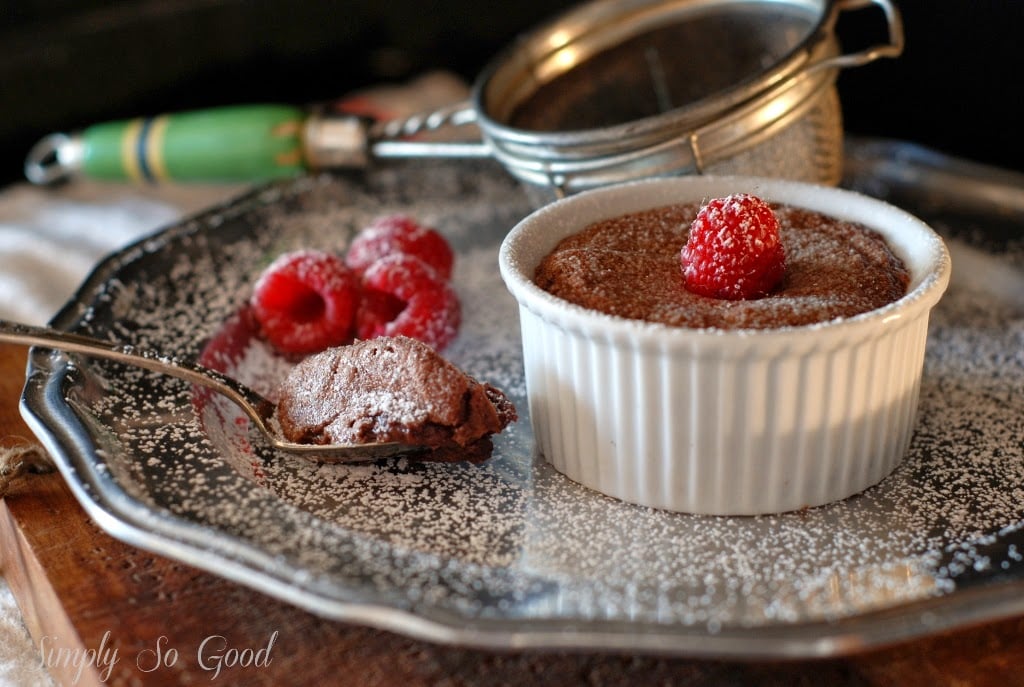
[
  {"x": 738, "y": 131},
  {"x": 524, "y": 67}
]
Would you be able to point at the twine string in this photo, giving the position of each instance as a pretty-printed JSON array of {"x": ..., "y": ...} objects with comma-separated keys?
[{"x": 19, "y": 460}]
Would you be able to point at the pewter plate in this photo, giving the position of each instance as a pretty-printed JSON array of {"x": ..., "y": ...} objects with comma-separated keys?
[{"x": 509, "y": 553}]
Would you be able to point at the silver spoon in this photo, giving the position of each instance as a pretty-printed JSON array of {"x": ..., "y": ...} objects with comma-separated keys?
[{"x": 259, "y": 409}]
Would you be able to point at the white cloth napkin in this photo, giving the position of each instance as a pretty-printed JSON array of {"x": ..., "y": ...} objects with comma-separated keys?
[
  {"x": 49, "y": 241},
  {"x": 51, "y": 238},
  {"x": 19, "y": 660}
]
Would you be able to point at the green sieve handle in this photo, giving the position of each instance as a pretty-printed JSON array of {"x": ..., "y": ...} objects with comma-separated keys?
[{"x": 253, "y": 142}]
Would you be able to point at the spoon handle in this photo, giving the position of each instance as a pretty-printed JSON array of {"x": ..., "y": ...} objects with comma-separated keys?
[{"x": 253, "y": 404}]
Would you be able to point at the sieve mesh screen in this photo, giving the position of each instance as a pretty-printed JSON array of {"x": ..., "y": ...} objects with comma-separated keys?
[{"x": 672, "y": 66}]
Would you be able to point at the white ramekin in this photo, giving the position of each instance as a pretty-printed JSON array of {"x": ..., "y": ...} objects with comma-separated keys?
[{"x": 722, "y": 422}]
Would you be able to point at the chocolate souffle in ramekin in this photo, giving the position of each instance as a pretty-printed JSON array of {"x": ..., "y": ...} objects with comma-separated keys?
[{"x": 646, "y": 391}]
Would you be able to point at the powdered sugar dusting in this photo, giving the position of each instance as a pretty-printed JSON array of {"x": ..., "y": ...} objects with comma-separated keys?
[{"x": 510, "y": 541}]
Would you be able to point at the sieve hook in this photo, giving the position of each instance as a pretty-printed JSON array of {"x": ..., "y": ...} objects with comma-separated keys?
[{"x": 893, "y": 48}]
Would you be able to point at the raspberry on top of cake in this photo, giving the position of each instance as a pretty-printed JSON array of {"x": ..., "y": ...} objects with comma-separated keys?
[{"x": 731, "y": 263}]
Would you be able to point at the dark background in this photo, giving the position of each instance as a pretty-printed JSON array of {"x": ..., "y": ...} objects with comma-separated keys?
[{"x": 67, "y": 63}]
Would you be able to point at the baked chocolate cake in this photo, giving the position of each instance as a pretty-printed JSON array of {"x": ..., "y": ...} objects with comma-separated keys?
[
  {"x": 629, "y": 266},
  {"x": 392, "y": 389}
]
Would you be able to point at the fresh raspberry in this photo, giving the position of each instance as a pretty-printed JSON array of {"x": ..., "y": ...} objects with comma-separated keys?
[
  {"x": 402, "y": 295},
  {"x": 734, "y": 251},
  {"x": 305, "y": 301},
  {"x": 400, "y": 234}
]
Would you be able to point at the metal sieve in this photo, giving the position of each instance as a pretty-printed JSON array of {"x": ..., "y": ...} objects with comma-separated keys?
[
  {"x": 618, "y": 90},
  {"x": 609, "y": 91}
]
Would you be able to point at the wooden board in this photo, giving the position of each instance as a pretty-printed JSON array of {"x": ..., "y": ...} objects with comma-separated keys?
[{"x": 80, "y": 590}]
